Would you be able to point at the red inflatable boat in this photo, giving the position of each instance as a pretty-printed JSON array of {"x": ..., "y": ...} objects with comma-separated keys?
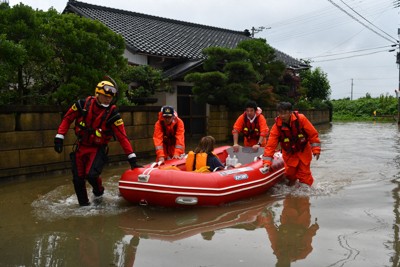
[{"x": 171, "y": 185}]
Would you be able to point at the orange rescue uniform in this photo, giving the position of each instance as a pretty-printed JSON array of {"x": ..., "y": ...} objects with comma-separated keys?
[
  {"x": 299, "y": 141},
  {"x": 169, "y": 140},
  {"x": 252, "y": 129}
]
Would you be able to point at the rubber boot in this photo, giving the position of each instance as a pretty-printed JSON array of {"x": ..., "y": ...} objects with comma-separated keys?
[
  {"x": 96, "y": 183},
  {"x": 80, "y": 191}
]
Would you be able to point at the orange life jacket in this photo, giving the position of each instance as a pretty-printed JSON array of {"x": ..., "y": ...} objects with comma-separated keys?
[
  {"x": 169, "y": 134},
  {"x": 195, "y": 161},
  {"x": 292, "y": 139},
  {"x": 251, "y": 130},
  {"x": 91, "y": 128}
]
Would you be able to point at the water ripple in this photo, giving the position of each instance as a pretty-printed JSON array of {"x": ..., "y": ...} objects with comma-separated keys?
[{"x": 62, "y": 203}]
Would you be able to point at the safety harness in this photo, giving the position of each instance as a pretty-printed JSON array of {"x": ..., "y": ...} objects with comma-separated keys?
[
  {"x": 91, "y": 129},
  {"x": 169, "y": 135},
  {"x": 292, "y": 139},
  {"x": 251, "y": 130}
]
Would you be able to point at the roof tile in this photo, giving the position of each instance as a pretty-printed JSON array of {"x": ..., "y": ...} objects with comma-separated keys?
[{"x": 165, "y": 37}]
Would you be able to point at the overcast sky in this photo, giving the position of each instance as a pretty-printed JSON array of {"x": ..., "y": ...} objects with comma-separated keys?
[{"x": 348, "y": 39}]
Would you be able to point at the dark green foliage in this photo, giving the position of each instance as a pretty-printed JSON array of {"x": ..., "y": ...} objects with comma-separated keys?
[
  {"x": 144, "y": 81},
  {"x": 208, "y": 87},
  {"x": 316, "y": 84},
  {"x": 363, "y": 108},
  {"x": 86, "y": 51},
  {"x": 55, "y": 58},
  {"x": 233, "y": 76}
]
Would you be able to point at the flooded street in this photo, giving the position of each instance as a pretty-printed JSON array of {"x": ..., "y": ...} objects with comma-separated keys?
[{"x": 349, "y": 217}]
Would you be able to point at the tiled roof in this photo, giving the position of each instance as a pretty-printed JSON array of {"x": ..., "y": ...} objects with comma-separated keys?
[{"x": 164, "y": 37}]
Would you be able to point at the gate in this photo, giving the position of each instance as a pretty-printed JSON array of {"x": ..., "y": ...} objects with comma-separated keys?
[{"x": 193, "y": 115}]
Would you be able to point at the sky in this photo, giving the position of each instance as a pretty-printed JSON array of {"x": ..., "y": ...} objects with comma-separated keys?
[{"x": 349, "y": 40}]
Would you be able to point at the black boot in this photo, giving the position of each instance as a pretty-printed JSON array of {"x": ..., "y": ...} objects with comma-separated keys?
[
  {"x": 96, "y": 183},
  {"x": 80, "y": 191}
]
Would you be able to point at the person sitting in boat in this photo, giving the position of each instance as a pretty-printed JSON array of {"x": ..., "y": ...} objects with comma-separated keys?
[
  {"x": 202, "y": 156},
  {"x": 169, "y": 135},
  {"x": 254, "y": 127}
]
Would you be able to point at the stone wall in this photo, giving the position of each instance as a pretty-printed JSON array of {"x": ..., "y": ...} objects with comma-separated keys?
[
  {"x": 27, "y": 139},
  {"x": 27, "y": 136}
]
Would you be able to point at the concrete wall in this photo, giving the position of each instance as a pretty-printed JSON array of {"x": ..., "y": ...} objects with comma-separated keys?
[{"x": 27, "y": 136}]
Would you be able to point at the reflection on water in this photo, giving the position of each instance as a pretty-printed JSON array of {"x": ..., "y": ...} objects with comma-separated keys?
[
  {"x": 47, "y": 248},
  {"x": 291, "y": 238},
  {"x": 84, "y": 237},
  {"x": 355, "y": 198}
]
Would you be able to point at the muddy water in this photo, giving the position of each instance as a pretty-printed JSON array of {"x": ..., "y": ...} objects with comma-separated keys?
[{"x": 349, "y": 217}]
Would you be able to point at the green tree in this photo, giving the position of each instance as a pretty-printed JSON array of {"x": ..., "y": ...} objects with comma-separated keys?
[
  {"x": 11, "y": 57},
  {"x": 144, "y": 82},
  {"x": 232, "y": 75},
  {"x": 316, "y": 84},
  {"x": 85, "y": 50},
  {"x": 20, "y": 28},
  {"x": 60, "y": 57}
]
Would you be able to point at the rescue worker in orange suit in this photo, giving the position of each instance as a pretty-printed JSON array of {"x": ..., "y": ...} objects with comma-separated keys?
[
  {"x": 169, "y": 135},
  {"x": 292, "y": 239},
  {"x": 97, "y": 121},
  {"x": 254, "y": 127},
  {"x": 298, "y": 140}
]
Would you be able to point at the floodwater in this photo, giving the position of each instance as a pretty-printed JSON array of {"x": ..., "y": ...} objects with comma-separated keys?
[{"x": 349, "y": 217}]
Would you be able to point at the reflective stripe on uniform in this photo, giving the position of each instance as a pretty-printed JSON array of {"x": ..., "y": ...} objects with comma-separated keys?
[
  {"x": 159, "y": 148},
  {"x": 315, "y": 144}
]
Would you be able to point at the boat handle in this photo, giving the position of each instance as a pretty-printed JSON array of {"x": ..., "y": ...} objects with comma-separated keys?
[{"x": 186, "y": 200}]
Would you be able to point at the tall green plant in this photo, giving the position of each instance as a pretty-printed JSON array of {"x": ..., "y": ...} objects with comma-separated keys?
[
  {"x": 316, "y": 84},
  {"x": 363, "y": 108},
  {"x": 57, "y": 58},
  {"x": 144, "y": 81},
  {"x": 231, "y": 76}
]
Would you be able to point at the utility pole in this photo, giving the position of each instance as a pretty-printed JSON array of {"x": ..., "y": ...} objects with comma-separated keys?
[
  {"x": 398, "y": 87},
  {"x": 257, "y": 30},
  {"x": 351, "y": 94}
]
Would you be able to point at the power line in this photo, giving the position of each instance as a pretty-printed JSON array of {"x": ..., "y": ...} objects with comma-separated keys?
[
  {"x": 320, "y": 20},
  {"x": 354, "y": 51},
  {"x": 333, "y": 59},
  {"x": 368, "y": 20},
  {"x": 353, "y": 17}
]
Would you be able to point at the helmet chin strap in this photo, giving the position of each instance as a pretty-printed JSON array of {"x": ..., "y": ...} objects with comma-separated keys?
[{"x": 105, "y": 105}]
